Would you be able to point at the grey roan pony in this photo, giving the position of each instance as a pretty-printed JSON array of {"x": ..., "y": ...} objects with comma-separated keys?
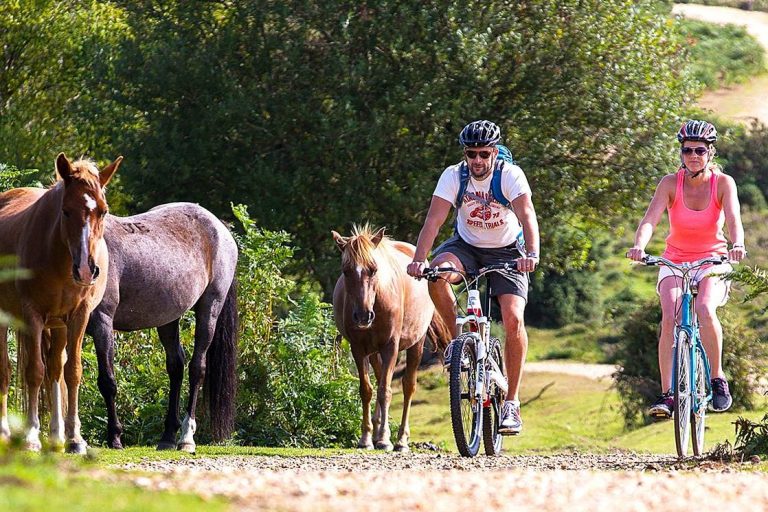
[{"x": 162, "y": 263}]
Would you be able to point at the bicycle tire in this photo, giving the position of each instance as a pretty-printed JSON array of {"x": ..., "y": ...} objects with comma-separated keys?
[
  {"x": 700, "y": 392},
  {"x": 492, "y": 438},
  {"x": 466, "y": 416},
  {"x": 682, "y": 407}
]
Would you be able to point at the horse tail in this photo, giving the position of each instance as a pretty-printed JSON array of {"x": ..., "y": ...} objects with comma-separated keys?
[
  {"x": 220, "y": 386},
  {"x": 439, "y": 332}
]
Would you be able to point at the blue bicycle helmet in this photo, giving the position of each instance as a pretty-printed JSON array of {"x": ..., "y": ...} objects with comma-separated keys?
[
  {"x": 480, "y": 134},
  {"x": 699, "y": 131}
]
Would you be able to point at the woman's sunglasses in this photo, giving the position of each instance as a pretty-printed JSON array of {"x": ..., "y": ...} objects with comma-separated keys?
[
  {"x": 485, "y": 155},
  {"x": 698, "y": 151}
]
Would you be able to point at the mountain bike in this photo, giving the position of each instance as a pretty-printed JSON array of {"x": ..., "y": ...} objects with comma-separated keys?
[
  {"x": 691, "y": 382},
  {"x": 477, "y": 382}
]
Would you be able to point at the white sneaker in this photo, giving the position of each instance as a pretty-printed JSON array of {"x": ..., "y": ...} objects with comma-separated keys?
[{"x": 511, "y": 423}]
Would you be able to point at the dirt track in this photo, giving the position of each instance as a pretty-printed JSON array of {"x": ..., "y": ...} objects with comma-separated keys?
[{"x": 385, "y": 482}]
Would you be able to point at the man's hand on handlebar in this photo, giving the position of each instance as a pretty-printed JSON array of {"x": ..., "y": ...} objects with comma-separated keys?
[{"x": 416, "y": 269}]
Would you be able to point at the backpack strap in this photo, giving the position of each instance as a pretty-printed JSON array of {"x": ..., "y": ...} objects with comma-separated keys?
[
  {"x": 463, "y": 182},
  {"x": 496, "y": 192}
]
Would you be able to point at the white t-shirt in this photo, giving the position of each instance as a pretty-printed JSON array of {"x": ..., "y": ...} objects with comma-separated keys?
[{"x": 482, "y": 221}]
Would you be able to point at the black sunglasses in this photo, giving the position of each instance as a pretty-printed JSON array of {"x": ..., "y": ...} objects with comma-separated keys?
[
  {"x": 485, "y": 155},
  {"x": 699, "y": 151}
]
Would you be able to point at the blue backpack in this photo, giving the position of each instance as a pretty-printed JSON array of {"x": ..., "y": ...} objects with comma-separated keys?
[{"x": 504, "y": 156}]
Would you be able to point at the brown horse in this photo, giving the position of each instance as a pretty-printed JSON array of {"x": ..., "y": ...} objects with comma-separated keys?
[
  {"x": 381, "y": 310},
  {"x": 56, "y": 234}
]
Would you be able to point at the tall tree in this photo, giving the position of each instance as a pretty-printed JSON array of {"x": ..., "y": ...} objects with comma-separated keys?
[{"x": 320, "y": 114}]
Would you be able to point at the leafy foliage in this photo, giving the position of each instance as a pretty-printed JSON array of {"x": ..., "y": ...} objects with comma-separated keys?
[
  {"x": 319, "y": 114},
  {"x": 722, "y": 55},
  {"x": 296, "y": 388}
]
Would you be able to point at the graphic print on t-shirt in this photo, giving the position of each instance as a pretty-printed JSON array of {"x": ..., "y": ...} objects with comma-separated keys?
[{"x": 481, "y": 221}]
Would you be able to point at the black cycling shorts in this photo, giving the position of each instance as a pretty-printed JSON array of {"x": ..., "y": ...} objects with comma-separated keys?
[{"x": 474, "y": 258}]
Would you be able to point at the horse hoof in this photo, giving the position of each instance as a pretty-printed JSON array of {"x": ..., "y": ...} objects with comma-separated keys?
[
  {"x": 402, "y": 448},
  {"x": 33, "y": 446},
  {"x": 165, "y": 445},
  {"x": 187, "y": 447},
  {"x": 387, "y": 447},
  {"x": 365, "y": 446},
  {"x": 77, "y": 447},
  {"x": 116, "y": 445}
]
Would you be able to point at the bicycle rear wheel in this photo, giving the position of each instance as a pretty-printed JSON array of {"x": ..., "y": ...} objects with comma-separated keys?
[
  {"x": 466, "y": 410},
  {"x": 682, "y": 379},
  {"x": 700, "y": 395},
  {"x": 492, "y": 439}
]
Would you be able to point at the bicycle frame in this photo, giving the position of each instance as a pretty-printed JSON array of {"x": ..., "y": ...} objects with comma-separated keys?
[
  {"x": 691, "y": 395},
  {"x": 690, "y": 324},
  {"x": 477, "y": 325}
]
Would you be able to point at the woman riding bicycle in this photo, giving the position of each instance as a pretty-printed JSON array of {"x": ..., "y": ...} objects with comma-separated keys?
[{"x": 699, "y": 200}]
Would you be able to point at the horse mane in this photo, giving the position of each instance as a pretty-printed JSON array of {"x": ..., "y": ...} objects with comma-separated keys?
[{"x": 360, "y": 250}]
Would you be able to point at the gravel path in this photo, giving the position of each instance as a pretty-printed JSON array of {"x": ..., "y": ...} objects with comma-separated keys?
[
  {"x": 591, "y": 371},
  {"x": 385, "y": 482}
]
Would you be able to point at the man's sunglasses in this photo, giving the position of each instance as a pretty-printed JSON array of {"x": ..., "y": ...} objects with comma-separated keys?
[
  {"x": 485, "y": 155},
  {"x": 699, "y": 151}
]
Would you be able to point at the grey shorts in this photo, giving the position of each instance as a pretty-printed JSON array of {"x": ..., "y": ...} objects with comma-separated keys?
[{"x": 474, "y": 258}]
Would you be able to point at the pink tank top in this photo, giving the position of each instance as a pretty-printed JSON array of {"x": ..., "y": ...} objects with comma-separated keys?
[{"x": 695, "y": 234}]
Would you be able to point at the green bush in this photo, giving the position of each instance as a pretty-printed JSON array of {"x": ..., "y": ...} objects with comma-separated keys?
[
  {"x": 296, "y": 388},
  {"x": 638, "y": 380},
  {"x": 722, "y": 55},
  {"x": 750, "y": 196}
]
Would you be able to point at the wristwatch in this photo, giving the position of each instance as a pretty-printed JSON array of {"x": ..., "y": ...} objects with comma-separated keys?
[{"x": 532, "y": 255}]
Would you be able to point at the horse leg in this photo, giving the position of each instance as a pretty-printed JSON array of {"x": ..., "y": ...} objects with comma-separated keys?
[
  {"x": 5, "y": 383},
  {"x": 366, "y": 393},
  {"x": 100, "y": 327},
  {"x": 29, "y": 343},
  {"x": 376, "y": 364},
  {"x": 55, "y": 342},
  {"x": 413, "y": 358},
  {"x": 384, "y": 393},
  {"x": 73, "y": 374},
  {"x": 174, "y": 365},
  {"x": 206, "y": 314}
]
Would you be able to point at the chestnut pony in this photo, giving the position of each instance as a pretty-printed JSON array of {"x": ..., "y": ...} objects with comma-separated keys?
[
  {"x": 57, "y": 235},
  {"x": 381, "y": 310}
]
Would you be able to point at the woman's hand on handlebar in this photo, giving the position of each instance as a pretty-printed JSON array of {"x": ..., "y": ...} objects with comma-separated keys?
[{"x": 636, "y": 254}]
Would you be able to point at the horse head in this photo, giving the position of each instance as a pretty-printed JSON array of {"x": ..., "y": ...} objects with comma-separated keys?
[
  {"x": 360, "y": 268},
  {"x": 83, "y": 208}
]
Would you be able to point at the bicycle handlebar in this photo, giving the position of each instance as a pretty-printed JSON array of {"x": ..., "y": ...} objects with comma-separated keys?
[
  {"x": 432, "y": 273},
  {"x": 658, "y": 260}
]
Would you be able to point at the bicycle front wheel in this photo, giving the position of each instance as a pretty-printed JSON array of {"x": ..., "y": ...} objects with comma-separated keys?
[
  {"x": 683, "y": 397},
  {"x": 466, "y": 410},
  {"x": 700, "y": 395},
  {"x": 492, "y": 439}
]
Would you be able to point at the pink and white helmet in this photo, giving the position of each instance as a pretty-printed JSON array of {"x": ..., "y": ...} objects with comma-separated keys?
[{"x": 700, "y": 131}]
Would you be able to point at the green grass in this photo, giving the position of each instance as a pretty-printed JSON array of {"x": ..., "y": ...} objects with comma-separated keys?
[
  {"x": 560, "y": 413},
  {"x": 32, "y": 482}
]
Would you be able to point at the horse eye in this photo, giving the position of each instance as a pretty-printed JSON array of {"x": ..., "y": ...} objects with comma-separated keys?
[{"x": 65, "y": 212}]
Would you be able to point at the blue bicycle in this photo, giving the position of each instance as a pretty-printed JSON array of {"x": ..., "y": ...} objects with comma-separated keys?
[{"x": 691, "y": 382}]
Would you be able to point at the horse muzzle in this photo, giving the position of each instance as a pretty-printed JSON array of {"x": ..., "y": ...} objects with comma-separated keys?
[
  {"x": 363, "y": 319},
  {"x": 93, "y": 272}
]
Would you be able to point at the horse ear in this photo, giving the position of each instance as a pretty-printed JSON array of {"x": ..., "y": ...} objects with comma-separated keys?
[
  {"x": 376, "y": 240},
  {"x": 341, "y": 242},
  {"x": 63, "y": 167},
  {"x": 106, "y": 173}
]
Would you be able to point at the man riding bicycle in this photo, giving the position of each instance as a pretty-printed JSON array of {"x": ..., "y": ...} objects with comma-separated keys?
[
  {"x": 487, "y": 232},
  {"x": 699, "y": 200}
]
